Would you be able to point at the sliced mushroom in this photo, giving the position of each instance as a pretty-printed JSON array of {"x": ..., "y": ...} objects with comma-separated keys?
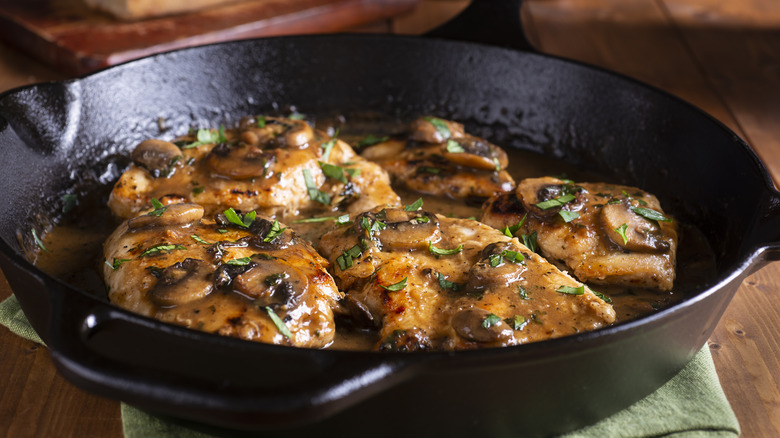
[
  {"x": 435, "y": 130},
  {"x": 479, "y": 325},
  {"x": 157, "y": 156},
  {"x": 641, "y": 234},
  {"x": 398, "y": 229},
  {"x": 240, "y": 161},
  {"x": 495, "y": 267},
  {"x": 272, "y": 283},
  {"x": 276, "y": 132},
  {"x": 474, "y": 152},
  {"x": 183, "y": 282},
  {"x": 387, "y": 150},
  {"x": 169, "y": 216},
  {"x": 414, "y": 339},
  {"x": 533, "y": 191}
]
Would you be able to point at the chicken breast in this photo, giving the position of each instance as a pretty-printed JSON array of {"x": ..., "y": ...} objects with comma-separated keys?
[
  {"x": 278, "y": 167},
  {"x": 437, "y": 157},
  {"x": 428, "y": 282},
  {"x": 603, "y": 233},
  {"x": 238, "y": 275}
]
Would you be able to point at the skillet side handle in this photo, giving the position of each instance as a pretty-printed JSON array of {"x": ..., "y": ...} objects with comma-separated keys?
[
  {"x": 495, "y": 22},
  {"x": 214, "y": 380}
]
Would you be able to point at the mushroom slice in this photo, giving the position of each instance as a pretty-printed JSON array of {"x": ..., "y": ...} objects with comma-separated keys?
[
  {"x": 170, "y": 215},
  {"x": 385, "y": 150},
  {"x": 475, "y": 153},
  {"x": 271, "y": 282},
  {"x": 276, "y": 132},
  {"x": 479, "y": 325},
  {"x": 547, "y": 195},
  {"x": 183, "y": 282},
  {"x": 157, "y": 156},
  {"x": 399, "y": 229},
  {"x": 240, "y": 161},
  {"x": 500, "y": 263},
  {"x": 632, "y": 231},
  {"x": 435, "y": 130}
]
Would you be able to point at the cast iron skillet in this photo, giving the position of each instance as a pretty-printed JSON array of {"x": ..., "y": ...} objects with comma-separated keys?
[{"x": 67, "y": 137}]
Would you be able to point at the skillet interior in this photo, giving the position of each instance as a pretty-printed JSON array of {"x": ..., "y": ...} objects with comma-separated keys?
[{"x": 75, "y": 135}]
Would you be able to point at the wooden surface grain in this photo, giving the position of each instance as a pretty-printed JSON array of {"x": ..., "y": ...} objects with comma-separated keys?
[{"x": 721, "y": 55}]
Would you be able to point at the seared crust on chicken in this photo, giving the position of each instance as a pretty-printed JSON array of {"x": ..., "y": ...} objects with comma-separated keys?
[
  {"x": 257, "y": 281},
  {"x": 603, "y": 233},
  {"x": 278, "y": 167},
  {"x": 429, "y": 282},
  {"x": 437, "y": 157}
]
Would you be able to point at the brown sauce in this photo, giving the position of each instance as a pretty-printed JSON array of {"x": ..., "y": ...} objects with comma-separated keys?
[{"x": 74, "y": 248}]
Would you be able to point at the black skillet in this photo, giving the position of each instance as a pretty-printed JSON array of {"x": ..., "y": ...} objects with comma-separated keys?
[{"x": 67, "y": 137}]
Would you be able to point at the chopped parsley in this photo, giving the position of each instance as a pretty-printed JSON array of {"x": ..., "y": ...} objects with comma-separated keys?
[
  {"x": 261, "y": 121},
  {"x": 523, "y": 293},
  {"x": 296, "y": 116},
  {"x": 529, "y": 240},
  {"x": 38, "y": 240},
  {"x": 315, "y": 194},
  {"x": 242, "y": 221},
  {"x": 446, "y": 284},
  {"x": 621, "y": 230},
  {"x": 280, "y": 325},
  {"x": 603, "y": 297},
  {"x": 159, "y": 208},
  {"x": 440, "y": 125},
  {"x": 568, "y": 216},
  {"x": 328, "y": 146},
  {"x": 556, "y": 202},
  {"x": 491, "y": 320},
  {"x": 207, "y": 136},
  {"x": 454, "y": 148},
  {"x": 337, "y": 172},
  {"x": 433, "y": 170},
  {"x": 198, "y": 239},
  {"x": 569, "y": 290},
  {"x": 116, "y": 263},
  {"x": 518, "y": 322},
  {"x": 164, "y": 247},
  {"x": 69, "y": 201},
  {"x": 510, "y": 230},
  {"x": 651, "y": 214},
  {"x": 243, "y": 261},
  {"x": 397, "y": 286},
  {"x": 320, "y": 219},
  {"x": 441, "y": 251},
  {"x": 371, "y": 140},
  {"x": 274, "y": 232},
  {"x": 414, "y": 206},
  {"x": 345, "y": 259}
]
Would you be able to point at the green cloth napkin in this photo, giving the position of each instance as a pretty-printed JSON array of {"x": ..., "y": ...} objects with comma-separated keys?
[{"x": 691, "y": 404}]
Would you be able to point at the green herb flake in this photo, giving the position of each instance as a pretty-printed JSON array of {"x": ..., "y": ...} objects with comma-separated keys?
[
  {"x": 569, "y": 290},
  {"x": 454, "y": 148},
  {"x": 38, "y": 240},
  {"x": 446, "y": 284},
  {"x": 518, "y": 322},
  {"x": 222, "y": 230},
  {"x": 315, "y": 194},
  {"x": 420, "y": 220},
  {"x": 496, "y": 260},
  {"x": 296, "y": 116},
  {"x": 440, "y": 125},
  {"x": 497, "y": 164},
  {"x": 651, "y": 214},
  {"x": 397, "y": 286},
  {"x": 69, "y": 202},
  {"x": 164, "y": 247},
  {"x": 603, "y": 297},
  {"x": 116, "y": 263},
  {"x": 280, "y": 325},
  {"x": 198, "y": 239},
  {"x": 491, "y": 320},
  {"x": 512, "y": 256},
  {"x": 261, "y": 121},
  {"x": 159, "y": 208},
  {"x": 523, "y": 293},
  {"x": 197, "y": 190},
  {"x": 433, "y": 170},
  {"x": 621, "y": 230},
  {"x": 207, "y": 136},
  {"x": 343, "y": 219},
  {"x": 414, "y": 206},
  {"x": 441, "y": 251},
  {"x": 529, "y": 240},
  {"x": 243, "y": 261},
  {"x": 556, "y": 202},
  {"x": 274, "y": 232},
  {"x": 371, "y": 140},
  {"x": 318, "y": 219},
  {"x": 337, "y": 172},
  {"x": 242, "y": 221},
  {"x": 568, "y": 216}
]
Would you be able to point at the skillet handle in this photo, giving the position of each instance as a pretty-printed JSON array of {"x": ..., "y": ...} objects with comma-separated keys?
[
  {"x": 207, "y": 378},
  {"x": 495, "y": 22}
]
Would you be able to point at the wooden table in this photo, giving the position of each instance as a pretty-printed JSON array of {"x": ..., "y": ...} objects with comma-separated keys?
[{"x": 722, "y": 55}]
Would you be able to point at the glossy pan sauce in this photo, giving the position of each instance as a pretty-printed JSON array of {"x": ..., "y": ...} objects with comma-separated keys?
[{"x": 74, "y": 247}]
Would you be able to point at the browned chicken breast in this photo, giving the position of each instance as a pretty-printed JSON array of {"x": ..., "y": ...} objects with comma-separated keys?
[
  {"x": 429, "y": 282},
  {"x": 238, "y": 275},
  {"x": 278, "y": 167},
  {"x": 437, "y": 157},
  {"x": 603, "y": 233}
]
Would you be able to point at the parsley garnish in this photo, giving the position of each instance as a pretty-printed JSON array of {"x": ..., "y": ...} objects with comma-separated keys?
[
  {"x": 651, "y": 214},
  {"x": 296, "y": 116},
  {"x": 491, "y": 320},
  {"x": 454, "y": 148},
  {"x": 315, "y": 193},
  {"x": 440, "y": 125},
  {"x": 571, "y": 290},
  {"x": 116, "y": 263},
  {"x": 319, "y": 219},
  {"x": 280, "y": 325},
  {"x": 68, "y": 202},
  {"x": 568, "y": 216},
  {"x": 159, "y": 208},
  {"x": 197, "y": 190},
  {"x": 523, "y": 293},
  {"x": 603, "y": 297},
  {"x": 440, "y": 251},
  {"x": 198, "y": 239},
  {"x": 397, "y": 286},
  {"x": 274, "y": 232},
  {"x": 236, "y": 219},
  {"x": 556, "y": 202},
  {"x": 261, "y": 121},
  {"x": 510, "y": 231},
  {"x": 371, "y": 140},
  {"x": 518, "y": 322},
  {"x": 161, "y": 248},
  {"x": 446, "y": 284},
  {"x": 345, "y": 259},
  {"x": 38, "y": 240},
  {"x": 414, "y": 206},
  {"x": 621, "y": 230},
  {"x": 243, "y": 261},
  {"x": 433, "y": 170},
  {"x": 207, "y": 136},
  {"x": 337, "y": 172},
  {"x": 328, "y": 146},
  {"x": 529, "y": 240}
]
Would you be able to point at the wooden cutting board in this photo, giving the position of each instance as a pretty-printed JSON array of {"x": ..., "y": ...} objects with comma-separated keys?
[{"x": 76, "y": 40}]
